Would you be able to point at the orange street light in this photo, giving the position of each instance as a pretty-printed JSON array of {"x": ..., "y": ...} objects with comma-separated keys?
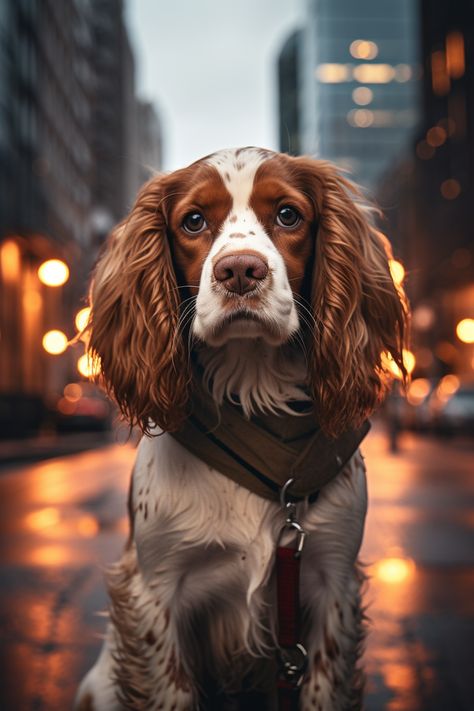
[
  {"x": 409, "y": 361},
  {"x": 419, "y": 389},
  {"x": 53, "y": 272},
  {"x": 54, "y": 342},
  {"x": 88, "y": 366},
  {"x": 82, "y": 318},
  {"x": 465, "y": 330}
]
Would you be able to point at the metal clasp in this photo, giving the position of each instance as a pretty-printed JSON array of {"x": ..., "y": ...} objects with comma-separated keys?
[
  {"x": 289, "y": 507},
  {"x": 294, "y": 662}
]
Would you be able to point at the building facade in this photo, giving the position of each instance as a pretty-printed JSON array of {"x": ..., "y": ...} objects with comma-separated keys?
[
  {"x": 429, "y": 198},
  {"x": 289, "y": 94},
  {"x": 69, "y": 170},
  {"x": 360, "y": 83}
]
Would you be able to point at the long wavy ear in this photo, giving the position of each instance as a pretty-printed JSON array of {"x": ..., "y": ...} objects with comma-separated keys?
[
  {"x": 133, "y": 326},
  {"x": 361, "y": 315}
]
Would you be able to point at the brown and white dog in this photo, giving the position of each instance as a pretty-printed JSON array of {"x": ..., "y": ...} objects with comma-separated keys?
[{"x": 267, "y": 270}]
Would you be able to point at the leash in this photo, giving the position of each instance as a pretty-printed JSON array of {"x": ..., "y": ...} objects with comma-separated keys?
[{"x": 292, "y": 655}]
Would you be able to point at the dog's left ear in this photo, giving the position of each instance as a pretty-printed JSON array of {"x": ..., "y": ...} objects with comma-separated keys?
[
  {"x": 134, "y": 322},
  {"x": 360, "y": 314}
]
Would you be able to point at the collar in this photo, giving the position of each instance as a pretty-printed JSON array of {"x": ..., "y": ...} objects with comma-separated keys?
[{"x": 262, "y": 453}]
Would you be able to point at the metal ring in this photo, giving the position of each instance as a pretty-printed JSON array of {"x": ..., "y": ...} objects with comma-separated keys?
[{"x": 283, "y": 492}]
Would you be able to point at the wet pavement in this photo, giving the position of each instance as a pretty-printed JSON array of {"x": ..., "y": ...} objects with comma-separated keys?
[{"x": 64, "y": 519}]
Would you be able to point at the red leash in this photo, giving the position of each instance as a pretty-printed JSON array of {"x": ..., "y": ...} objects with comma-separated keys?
[{"x": 292, "y": 655}]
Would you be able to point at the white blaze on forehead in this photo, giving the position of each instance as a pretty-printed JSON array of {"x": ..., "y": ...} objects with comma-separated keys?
[{"x": 237, "y": 168}]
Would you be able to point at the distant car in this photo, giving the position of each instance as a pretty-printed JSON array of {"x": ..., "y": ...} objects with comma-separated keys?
[
  {"x": 456, "y": 416},
  {"x": 82, "y": 408}
]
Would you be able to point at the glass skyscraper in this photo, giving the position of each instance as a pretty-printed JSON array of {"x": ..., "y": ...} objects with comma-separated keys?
[{"x": 359, "y": 97}]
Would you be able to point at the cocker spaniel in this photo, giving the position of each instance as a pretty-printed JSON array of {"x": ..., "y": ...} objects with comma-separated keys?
[{"x": 243, "y": 296}]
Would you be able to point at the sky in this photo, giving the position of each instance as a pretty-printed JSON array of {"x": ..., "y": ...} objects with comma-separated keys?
[{"x": 209, "y": 66}]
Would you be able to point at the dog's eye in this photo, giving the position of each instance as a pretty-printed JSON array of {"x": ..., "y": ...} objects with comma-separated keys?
[
  {"x": 194, "y": 223},
  {"x": 288, "y": 217}
]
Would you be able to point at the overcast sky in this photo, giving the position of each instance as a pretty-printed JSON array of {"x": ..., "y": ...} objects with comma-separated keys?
[{"x": 210, "y": 68}]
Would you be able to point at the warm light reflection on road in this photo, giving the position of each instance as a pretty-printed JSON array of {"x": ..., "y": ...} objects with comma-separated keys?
[
  {"x": 50, "y": 555},
  {"x": 394, "y": 570},
  {"x": 43, "y": 518},
  {"x": 65, "y": 519}
]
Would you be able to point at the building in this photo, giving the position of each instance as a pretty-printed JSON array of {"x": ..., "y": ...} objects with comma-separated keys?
[
  {"x": 359, "y": 83},
  {"x": 289, "y": 94},
  {"x": 150, "y": 141},
  {"x": 433, "y": 192},
  {"x": 68, "y": 171},
  {"x": 113, "y": 130}
]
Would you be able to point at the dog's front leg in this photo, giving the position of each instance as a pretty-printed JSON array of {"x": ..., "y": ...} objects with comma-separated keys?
[
  {"x": 334, "y": 681},
  {"x": 140, "y": 663},
  {"x": 331, "y": 591}
]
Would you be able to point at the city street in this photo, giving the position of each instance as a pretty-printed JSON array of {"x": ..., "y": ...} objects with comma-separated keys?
[{"x": 64, "y": 519}]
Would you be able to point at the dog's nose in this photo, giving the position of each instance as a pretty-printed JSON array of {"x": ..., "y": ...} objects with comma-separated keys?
[{"x": 240, "y": 273}]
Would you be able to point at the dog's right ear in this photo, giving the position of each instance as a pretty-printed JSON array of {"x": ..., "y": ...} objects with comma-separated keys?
[{"x": 134, "y": 321}]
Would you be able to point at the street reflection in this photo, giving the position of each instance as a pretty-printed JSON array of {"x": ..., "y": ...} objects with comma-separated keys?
[
  {"x": 50, "y": 555},
  {"x": 69, "y": 521},
  {"x": 394, "y": 570},
  {"x": 51, "y": 524},
  {"x": 44, "y": 518}
]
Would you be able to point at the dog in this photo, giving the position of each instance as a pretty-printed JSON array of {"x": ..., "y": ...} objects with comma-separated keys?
[{"x": 258, "y": 280}]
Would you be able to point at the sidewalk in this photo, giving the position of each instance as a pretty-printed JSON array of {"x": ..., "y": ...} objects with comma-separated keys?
[{"x": 35, "y": 449}]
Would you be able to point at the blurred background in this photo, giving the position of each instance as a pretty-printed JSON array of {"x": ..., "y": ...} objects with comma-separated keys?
[{"x": 95, "y": 96}]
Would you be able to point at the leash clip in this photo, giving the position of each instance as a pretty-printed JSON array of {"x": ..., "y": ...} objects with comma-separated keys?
[
  {"x": 293, "y": 664},
  {"x": 291, "y": 522}
]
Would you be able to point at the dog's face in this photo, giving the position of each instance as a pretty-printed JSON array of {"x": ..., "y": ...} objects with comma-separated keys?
[
  {"x": 241, "y": 238},
  {"x": 251, "y": 244}
]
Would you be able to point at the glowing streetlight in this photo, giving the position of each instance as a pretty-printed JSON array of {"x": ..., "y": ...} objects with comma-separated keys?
[
  {"x": 53, "y": 272},
  {"x": 87, "y": 366},
  {"x": 447, "y": 386},
  {"x": 10, "y": 261},
  {"x": 409, "y": 361},
  {"x": 465, "y": 330},
  {"x": 54, "y": 342},
  {"x": 419, "y": 389},
  {"x": 397, "y": 270},
  {"x": 82, "y": 318}
]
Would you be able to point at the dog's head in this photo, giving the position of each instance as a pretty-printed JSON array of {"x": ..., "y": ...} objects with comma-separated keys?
[{"x": 247, "y": 244}]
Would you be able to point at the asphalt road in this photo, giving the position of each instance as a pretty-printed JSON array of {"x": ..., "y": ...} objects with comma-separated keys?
[{"x": 63, "y": 519}]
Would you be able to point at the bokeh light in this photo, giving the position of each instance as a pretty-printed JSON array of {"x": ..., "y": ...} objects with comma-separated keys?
[
  {"x": 360, "y": 118},
  {"x": 55, "y": 342},
  {"x": 374, "y": 73},
  {"x": 409, "y": 361},
  {"x": 447, "y": 386},
  {"x": 465, "y": 330},
  {"x": 53, "y": 272},
  {"x": 10, "y": 261},
  {"x": 87, "y": 366},
  {"x": 394, "y": 570},
  {"x": 436, "y": 136},
  {"x": 38, "y": 520},
  {"x": 72, "y": 392},
  {"x": 418, "y": 390},
  {"x": 363, "y": 49},
  {"x": 82, "y": 318},
  {"x": 450, "y": 189},
  {"x": 362, "y": 95}
]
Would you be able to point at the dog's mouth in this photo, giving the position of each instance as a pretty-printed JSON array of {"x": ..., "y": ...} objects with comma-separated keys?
[{"x": 244, "y": 323}]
